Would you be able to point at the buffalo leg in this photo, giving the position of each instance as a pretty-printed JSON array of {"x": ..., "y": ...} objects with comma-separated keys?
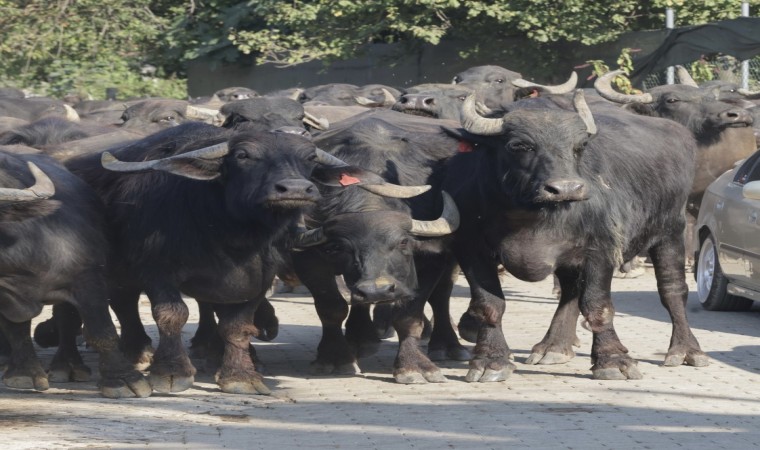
[
  {"x": 118, "y": 378},
  {"x": 667, "y": 259},
  {"x": 490, "y": 360},
  {"x": 171, "y": 370},
  {"x": 360, "y": 331},
  {"x": 334, "y": 355},
  {"x": 134, "y": 342},
  {"x": 238, "y": 374},
  {"x": 24, "y": 370},
  {"x": 609, "y": 356},
  {"x": 444, "y": 343},
  {"x": 411, "y": 365},
  {"x": 67, "y": 364},
  {"x": 557, "y": 345}
]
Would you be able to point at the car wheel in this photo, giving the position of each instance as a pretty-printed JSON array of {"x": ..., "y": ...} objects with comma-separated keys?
[{"x": 711, "y": 283}]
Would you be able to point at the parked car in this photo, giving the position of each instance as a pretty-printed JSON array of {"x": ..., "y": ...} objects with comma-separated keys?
[{"x": 728, "y": 239}]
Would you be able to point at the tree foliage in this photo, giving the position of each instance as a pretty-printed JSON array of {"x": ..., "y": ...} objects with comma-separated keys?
[
  {"x": 83, "y": 46},
  {"x": 60, "y": 46}
]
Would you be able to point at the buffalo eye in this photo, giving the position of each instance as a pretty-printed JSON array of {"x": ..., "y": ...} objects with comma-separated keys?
[
  {"x": 168, "y": 119},
  {"x": 672, "y": 100},
  {"x": 456, "y": 79},
  {"x": 331, "y": 248},
  {"x": 241, "y": 154},
  {"x": 462, "y": 98},
  {"x": 311, "y": 157},
  {"x": 499, "y": 80},
  {"x": 520, "y": 147}
]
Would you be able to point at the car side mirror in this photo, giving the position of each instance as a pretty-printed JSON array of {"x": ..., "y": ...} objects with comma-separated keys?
[{"x": 751, "y": 190}]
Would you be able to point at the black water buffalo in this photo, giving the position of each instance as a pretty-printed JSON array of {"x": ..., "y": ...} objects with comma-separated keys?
[
  {"x": 440, "y": 101},
  {"x": 149, "y": 116},
  {"x": 551, "y": 191},
  {"x": 35, "y": 108},
  {"x": 388, "y": 250},
  {"x": 267, "y": 113},
  {"x": 48, "y": 132},
  {"x": 53, "y": 251},
  {"x": 204, "y": 217},
  {"x": 497, "y": 86}
]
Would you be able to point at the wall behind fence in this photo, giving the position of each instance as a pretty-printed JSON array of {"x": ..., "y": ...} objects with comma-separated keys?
[{"x": 392, "y": 65}]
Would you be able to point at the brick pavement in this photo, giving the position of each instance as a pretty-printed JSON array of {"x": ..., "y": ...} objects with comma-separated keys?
[{"x": 538, "y": 407}]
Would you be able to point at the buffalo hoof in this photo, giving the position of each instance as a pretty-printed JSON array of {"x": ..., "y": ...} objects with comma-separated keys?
[
  {"x": 412, "y": 377},
  {"x": 485, "y": 375},
  {"x": 131, "y": 385},
  {"x": 614, "y": 373},
  {"x": 326, "y": 368},
  {"x": 166, "y": 384},
  {"x": 64, "y": 373},
  {"x": 693, "y": 358},
  {"x": 548, "y": 358},
  {"x": 26, "y": 381},
  {"x": 254, "y": 385}
]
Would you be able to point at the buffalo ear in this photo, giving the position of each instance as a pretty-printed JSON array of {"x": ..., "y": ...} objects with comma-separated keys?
[
  {"x": 642, "y": 109},
  {"x": 20, "y": 211},
  {"x": 193, "y": 168}
]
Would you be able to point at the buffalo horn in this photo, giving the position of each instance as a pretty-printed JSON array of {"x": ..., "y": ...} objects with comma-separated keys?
[
  {"x": 446, "y": 224},
  {"x": 71, "y": 114},
  {"x": 579, "y": 102},
  {"x": 296, "y": 95},
  {"x": 394, "y": 190},
  {"x": 202, "y": 114},
  {"x": 603, "y": 85},
  {"x": 684, "y": 77},
  {"x": 477, "y": 124},
  {"x": 320, "y": 123},
  {"x": 388, "y": 98},
  {"x": 110, "y": 162},
  {"x": 748, "y": 93},
  {"x": 43, "y": 188},
  {"x": 563, "y": 88},
  {"x": 327, "y": 159}
]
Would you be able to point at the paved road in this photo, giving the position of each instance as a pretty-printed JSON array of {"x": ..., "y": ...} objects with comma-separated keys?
[{"x": 539, "y": 407}]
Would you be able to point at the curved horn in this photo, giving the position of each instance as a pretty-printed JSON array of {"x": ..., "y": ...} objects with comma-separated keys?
[
  {"x": 43, "y": 188},
  {"x": 327, "y": 159},
  {"x": 748, "y": 93},
  {"x": 71, "y": 114},
  {"x": 579, "y": 102},
  {"x": 320, "y": 123},
  {"x": 388, "y": 98},
  {"x": 603, "y": 85},
  {"x": 446, "y": 224},
  {"x": 198, "y": 113},
  {"x": 563, "y": 88},
  {"x": 684, "y": 77},
  {"x": 477, "y": 124},
  {"x": 296, "y": 94},
  {"x": 394, "y": 190},
  {"x": 110, "y": 162}
]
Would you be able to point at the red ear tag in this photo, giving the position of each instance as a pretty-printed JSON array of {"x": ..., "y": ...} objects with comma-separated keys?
[
  {"x": 465, "y": 147},
  {"x": 347, "y": 180}
]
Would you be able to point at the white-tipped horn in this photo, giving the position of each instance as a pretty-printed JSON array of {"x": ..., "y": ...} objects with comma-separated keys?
[
  {"x": 42, "y": 189},
  {"x": 603, "y": 85},
  {"x": 563, "y": 88},
  {"x": 579, "y": 102},
  {"x": 446, "y": 224}
]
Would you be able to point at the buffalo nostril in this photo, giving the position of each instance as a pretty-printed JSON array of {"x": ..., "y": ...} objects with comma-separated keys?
[
  {"x": 732, "y": 115},
  {"x": 310, "y": 189},
  {"x": 429, "y": 101},
  {"x": 551, "y": 189},
  {"x": 280, "y": 188},
  {"x": 404, "y": 100}
]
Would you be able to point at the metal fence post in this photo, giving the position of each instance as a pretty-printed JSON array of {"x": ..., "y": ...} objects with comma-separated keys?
[
  {"x": 745, "y": 63},
  {"x": 669, "y": 20}
]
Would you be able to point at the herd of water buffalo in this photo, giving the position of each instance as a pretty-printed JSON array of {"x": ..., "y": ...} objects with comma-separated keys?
[{"x": 366, "y": 195}]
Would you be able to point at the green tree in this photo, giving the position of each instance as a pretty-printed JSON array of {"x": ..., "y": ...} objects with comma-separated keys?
[{"x": 83, "y": 46}]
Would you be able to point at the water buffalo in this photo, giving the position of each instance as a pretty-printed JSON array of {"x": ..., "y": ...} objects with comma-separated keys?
[
  {"x": 380, "y": 245},
  {"x": 551, "y": 191},
  {"x": 53, "y": 251},
  {"x": 204, "y": 216}
]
